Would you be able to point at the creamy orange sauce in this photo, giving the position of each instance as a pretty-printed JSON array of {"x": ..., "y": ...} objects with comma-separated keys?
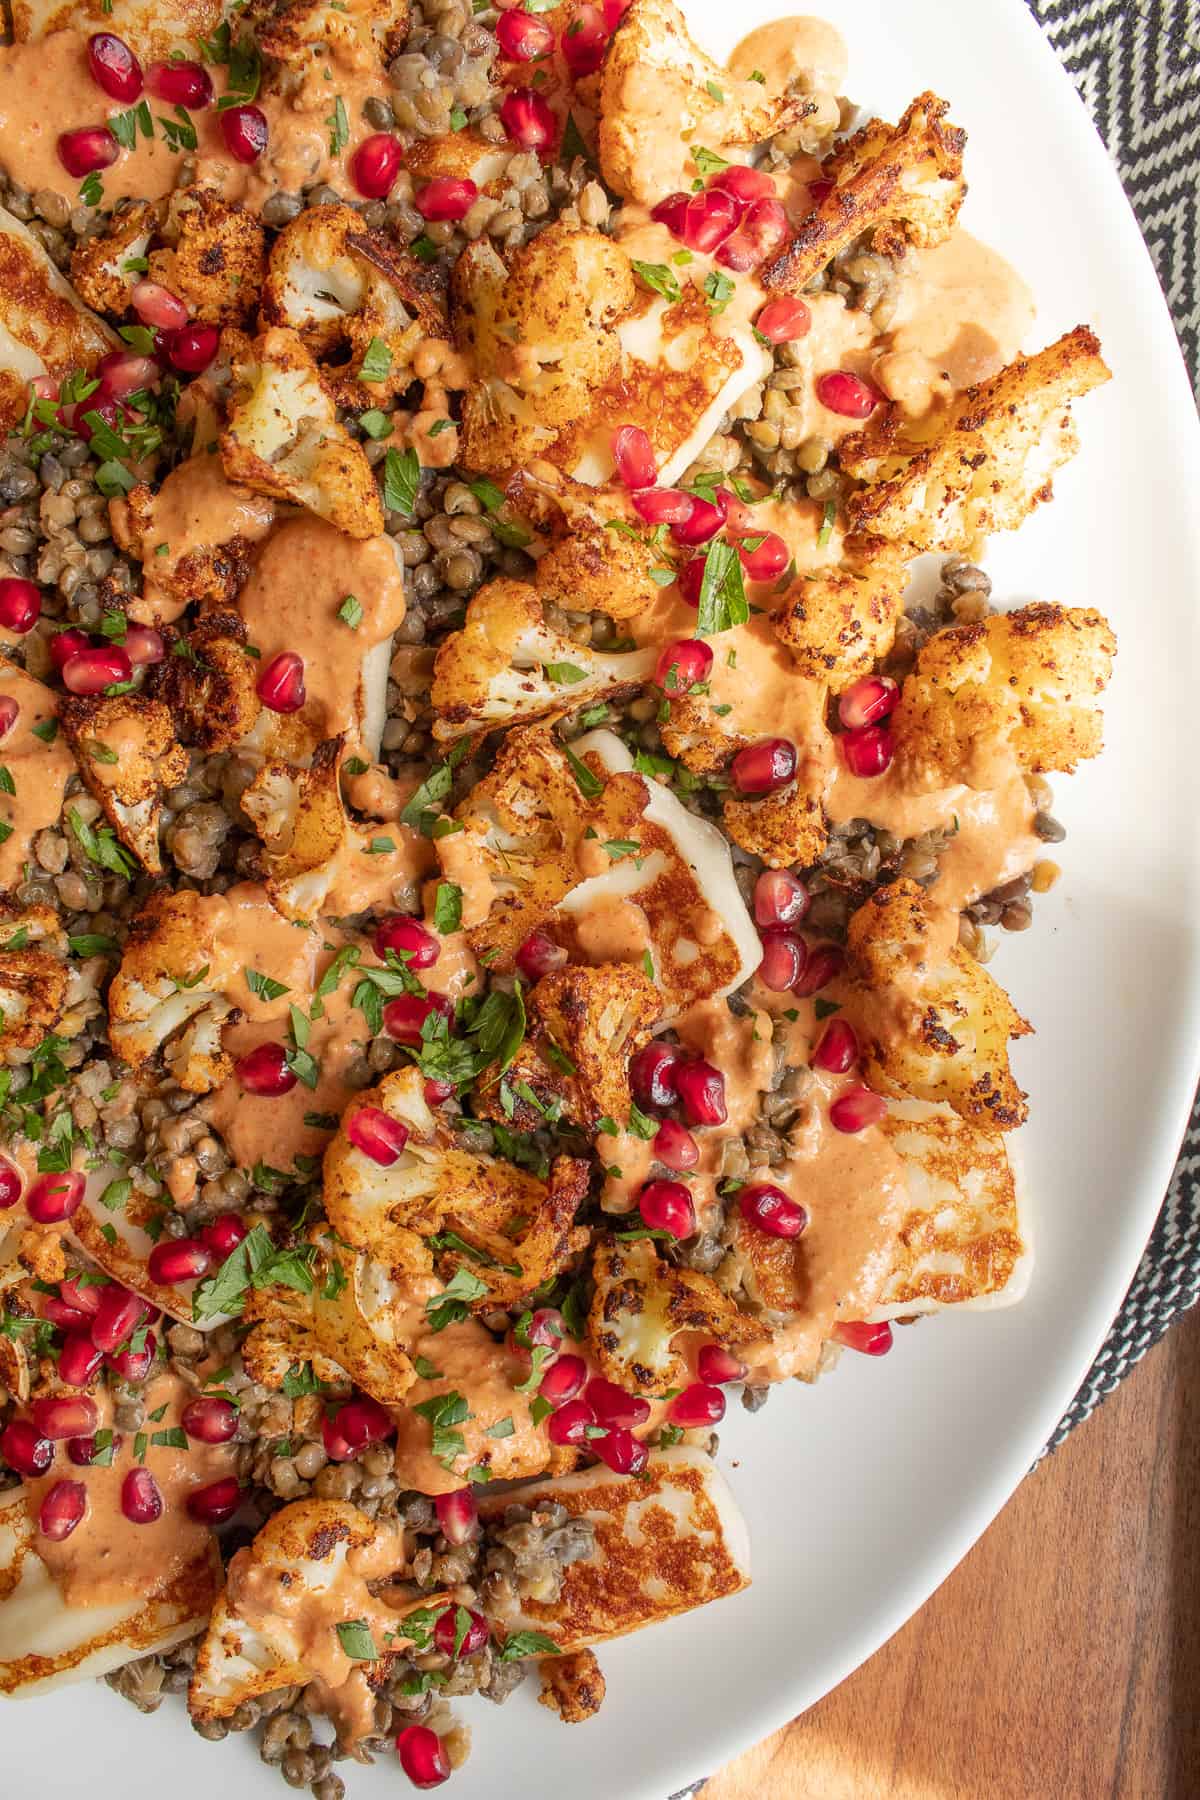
[
  {"x": 39, "y": 770},
  {"x": 126, "y": 738},
  {"x": 613, "y": 929},
  {"x": 962, "y": 313},
  {"x": 754, "y": 675},
  {"x": 462, "y": 864},
  {"x": 107, "y": 1558},
  {"x": 301, "y": 577},
  {"x": 798, "y": 49},
  {"x": 195, "y": 509}
]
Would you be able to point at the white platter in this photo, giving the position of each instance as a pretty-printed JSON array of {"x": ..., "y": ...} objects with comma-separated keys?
[{"x": 863, "y": 1493}]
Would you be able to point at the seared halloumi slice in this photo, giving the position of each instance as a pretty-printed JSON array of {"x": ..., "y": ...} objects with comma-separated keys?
[
  {"x": 667, "y": 1541},
  {"x": 152, "y": 28},
  {"x": 46, "y": 1643},
  {"x": 45, "y": 329},
  {"x": 964, "y": 1240}
]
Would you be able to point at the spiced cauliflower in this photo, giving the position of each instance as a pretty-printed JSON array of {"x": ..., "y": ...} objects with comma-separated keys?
[
  {"x": 640, "y": 1306},
  {"x": 213, "y": 256},
  {"x": 128, "y": 756},
  {"x": 839, "y": 622}
]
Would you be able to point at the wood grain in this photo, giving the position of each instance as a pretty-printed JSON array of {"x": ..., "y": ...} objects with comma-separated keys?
[{"x": 1061, "y": 1659}]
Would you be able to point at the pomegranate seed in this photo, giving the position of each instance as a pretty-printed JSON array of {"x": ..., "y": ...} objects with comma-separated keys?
[
  {"x": 614, "y": 11},
  {"x": 89, "y": 148},
  {"x": 62, "y": 1510},
  {"x": 624, "y": 1454},
  {"x": 118, "y": 1316},
  {"x": 782, "y": 962},
  {"x": 547, "y": 1327},
  {"x": 539, "y": 955},
  {"x": 762, "y": 231},
  {"x": 435, "y": 1091},
  {"x": 66, "y": 644},
  {"x": 847, "y": 395},
  {"x": 667, "y": 1206},
  {"x": 702, "y": 523},
  {"x": 423, "y": 1756},
  {"x": 653, "y": 1074},
  {"x": 764, "y": 767},
  {"x": 768, "y": 558},
  {"x": 25, "y": 1449},
  {"x": 209, "y": 1419},
  {"x": 745, "y": 184},
  {"x": 702, "y": 1092},
  {"x": 110, "y": 413},
  {"x": 280, "y": 687},
  {"x": 179, "y": 1259},
  {"x": 141, "y": 1499},
  {"x": 82, "y": 1450},
  {"x": 700, "y": 1404},
  {"x": 715, "y": 1364},
  {"x": 20, "y": 604},
  {"x": 355, "y": 1426},
  {"x": 672, "y": 212},
  {"x": 569, "y": 1423},
  {"x": 79, "y": 1359},
  {"x": 144, "y": 645},
  {"x": 838, "y": 1049},
  {"x": 377, "y": 1134},
  {"x": 612, "y": 1406},
  {"x": 114, "y": 67},
  {"x": 90, "y": 671},
  {"x": 53, "y": 1198},
  {"x": 404, "y": 1016},
  {"x": 683, "y": 663},
  {"x": 223, "y": 1235},
  {"x": 767, "y": 1206},
  {"x": 527, "y": 120},
  {"x": 65, "y": 1317},
  {"x": 213, "y": 1504},
  {"x": 857, "y": 1108},
  {"x": 10, "y": 712},
  {"x": 779, "y": 899},
  {"x": 134, "y": 1365},
  {"x": 563, "y": 1380},
  {"x": 446, "y": 198},
  {"x": 522, "y": 38},
  {"x": 123, "y": 372},
  {"x": 783, "y": 321},
  {"x": 867, "y": 751},
  {"x": 245, "y": 131},
  {"x": 180, "y": 83},
  {"x": 633, "y": 454},
  {"x": 264, "y": 1070},
  {"x": 457, "y": 1515},
  {"x": 690, "y": 579},
  {"x": 663, "y": 506},
  {"x": 10, "y": 1184},
  {"x": 709, "y": 219},
  {"x": 156, "y": 305},
  {"x": 861, "y": 1335},
  {"x": 867, "y": 701},
  {"x": 83, "y": 1296},
  {"x": 376, "y": 164},
  {"x": 584, "y": 41},
  {"x": 823, "y": 965},
  {"x": 192, "y": 348},
  {"x": 445, "y": 1632},
  {"x": 412, "y": 942},
  {"x": 64, "y": 1416},
  {"x": 675, "y": 1146}
]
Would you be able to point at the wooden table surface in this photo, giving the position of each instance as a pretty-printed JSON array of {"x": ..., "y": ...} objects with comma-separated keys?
[{"x": 1061, "y": 1660}]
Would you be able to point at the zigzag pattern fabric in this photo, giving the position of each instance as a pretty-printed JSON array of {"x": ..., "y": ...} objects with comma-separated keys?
[{"x": 1136, "y": 64}]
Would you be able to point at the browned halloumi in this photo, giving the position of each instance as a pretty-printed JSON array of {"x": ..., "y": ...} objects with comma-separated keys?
[{"x": 45, "y": 329}]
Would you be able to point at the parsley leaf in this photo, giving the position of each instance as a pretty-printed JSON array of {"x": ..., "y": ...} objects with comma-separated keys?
[
  {"x": 658, "y": 277},
  {"x": 401, "y": 480},
  {"x": 350, "y": 612},
  {"x": 377, "y": 361},
  {"x": 447, "y": 908},
  {"x": 528, "y": 1643},
  {"x": 723, "y": 601},
  {"x": 450, "y": 1307},
  {"x": 354, "y": 1635}
]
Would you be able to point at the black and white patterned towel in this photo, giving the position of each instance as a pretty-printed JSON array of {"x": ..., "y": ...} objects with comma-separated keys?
[{"x": 1137, "y": 65}]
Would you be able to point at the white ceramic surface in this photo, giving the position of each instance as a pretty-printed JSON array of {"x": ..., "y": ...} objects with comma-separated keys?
[{"x": 864, "y": 1492}]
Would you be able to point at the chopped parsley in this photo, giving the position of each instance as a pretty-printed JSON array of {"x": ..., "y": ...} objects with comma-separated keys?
[
  {"x": 354, "y": 1635},
  {"x": 445, "y": 1412},
  {"x": 350, "y": 612},
  {"x": 376, "y": 363},
  {"x": 401, "y": 481},
  {"x": 659, "y": 278},
  {"x": 451, "y": 1306}
]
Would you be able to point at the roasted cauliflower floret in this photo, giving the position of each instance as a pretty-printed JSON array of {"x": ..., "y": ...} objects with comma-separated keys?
[
  {"x": 33, "y": 988},
  {"x": 931, "y": 1020},
  {"x": 653, "y": 72},
  {"x": 214, "y": 257},
  {"x": 600, "y": 557},
  {"x": 127, "y": 754},
  {"x": 572, "y": 1686},
  {"x": 1025, "y": 682},
  {"x": 838, "y": 623},
  {"x": 283, "y": 438},
  {"x": 541, "y": 337},
  {"x": 100, "y": 268},
  {"x": 208, "y": 681},
  {"x": 160, "y": 991},
  {"x": 988, "y": 461},
  {"x": 642, "y": 1303},
  {"x": 787, "y": 828},
  {"x": 306, "y": 36},
  {"x": 594, "y": 1020},
  {"x": 343, "y": 286},
  {"x": 151, "y": 28},
  {"x": 161, "y": 528},
  {"x": 524, "y": 1227},
  {"x": 286, "y": 1594},
  {"x": 507, "y": 666},
  {"x": 904, "y": 184}
]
